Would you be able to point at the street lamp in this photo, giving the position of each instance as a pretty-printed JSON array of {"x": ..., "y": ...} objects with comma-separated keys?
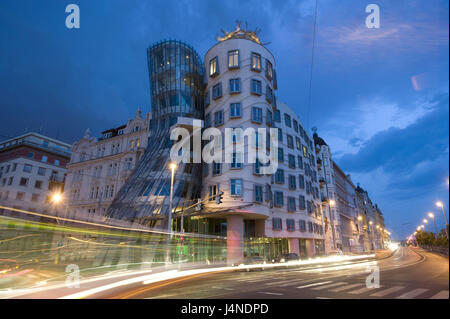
[
  {"x": 431, "y": 215},
  {"x": 56, "y": 198},
  {"x": 441, "y": 205},
  {"x": 360, "y": 218},
  {"x": 172, "y": 167}
]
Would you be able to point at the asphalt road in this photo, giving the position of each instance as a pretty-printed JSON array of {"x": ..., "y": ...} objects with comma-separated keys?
[{"x": 409, "y": 273}]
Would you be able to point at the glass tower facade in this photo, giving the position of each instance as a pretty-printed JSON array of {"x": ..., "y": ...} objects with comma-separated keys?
[{"x": 176, "y": 87}]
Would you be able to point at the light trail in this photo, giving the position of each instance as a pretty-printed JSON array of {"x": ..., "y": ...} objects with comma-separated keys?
[
  {"x": 175, "y": 274},
  {"x": 153, "y": 231}
]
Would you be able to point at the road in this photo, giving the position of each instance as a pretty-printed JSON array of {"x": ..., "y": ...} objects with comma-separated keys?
[{"x": 409, "y": 273}]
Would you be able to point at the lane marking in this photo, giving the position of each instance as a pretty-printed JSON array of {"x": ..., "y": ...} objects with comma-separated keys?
[
  {"x": 362, "y": 290},
  {"x": 441, "y": 295},
  {"x": 347, "y": 287},
  {"x": 315, "y": 284},
  {"x": 270, "y": 293},
  {"x": 385, "y": 292},
  {"x": 412, "y": 294},
  {"x": 329, "y": 286}
]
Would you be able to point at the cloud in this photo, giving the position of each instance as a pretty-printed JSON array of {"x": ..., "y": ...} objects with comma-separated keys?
[{"x": 399, "y": 149}]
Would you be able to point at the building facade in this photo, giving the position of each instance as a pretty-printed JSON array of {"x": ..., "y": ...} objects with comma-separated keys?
[
  {"x": 374, "y": 233},
  {"x": 100, "y": 166},
  {"x": 347, "y": 210},
  {"x": 263, "y": 215},
  {"x": 32, "y": 168},
  {"x": 176, "y": 89}
]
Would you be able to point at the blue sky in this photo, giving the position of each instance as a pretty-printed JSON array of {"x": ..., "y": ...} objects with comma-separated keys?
[{"x": 379, "y": 96}]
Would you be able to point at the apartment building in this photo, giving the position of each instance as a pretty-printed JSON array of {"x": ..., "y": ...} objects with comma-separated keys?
[{"x": 32, "y": 168}]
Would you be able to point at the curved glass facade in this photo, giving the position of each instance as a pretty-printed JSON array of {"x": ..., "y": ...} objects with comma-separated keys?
[{"x": 176, "y": 87}]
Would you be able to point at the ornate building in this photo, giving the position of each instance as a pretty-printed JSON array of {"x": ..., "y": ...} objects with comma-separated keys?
[{"x": 99, "y": 167}]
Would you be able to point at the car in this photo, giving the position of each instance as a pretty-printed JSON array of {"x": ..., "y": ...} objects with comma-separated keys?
[
  {"x": 252, "y": 260},
  {"x": 284, "y": 258}
]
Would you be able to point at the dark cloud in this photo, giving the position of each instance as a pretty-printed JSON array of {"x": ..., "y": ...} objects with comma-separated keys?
[{"x": 401, "y": 150}]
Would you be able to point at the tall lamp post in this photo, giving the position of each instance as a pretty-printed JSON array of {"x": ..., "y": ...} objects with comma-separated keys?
[
  {"x": 172, "y": 167},
  {"x": 426, "y": 222},
  {"x": 431, "y": 215},
  {"x": 331, "y": 203},
  {"x": 440, "y": 204}
]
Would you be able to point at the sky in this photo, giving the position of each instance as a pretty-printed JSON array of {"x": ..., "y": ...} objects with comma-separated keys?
[{"x": 379, "y": 96}]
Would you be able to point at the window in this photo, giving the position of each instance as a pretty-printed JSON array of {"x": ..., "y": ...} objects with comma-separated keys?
[
  {"x": 257, "y": 114},
  {"x": 236, "y": 135},
  {"x": 298, "y": 143},
  {"x": 301, "y": 181},
  {"x": 290, "y": 225},
  {"x": 14, "y": 167},
  {"x": 295, "y": 124},
  {"x": 214, "y": 66},
  {"x": 302, "y": 202},
  {"x": 257, "y": 167},
  {"x": 291, "y": 161},
  {"x": 235, "y": 110},
  {"x": 212, "y": 190},
  {"x": 34, "y": 197},
  {"x": 235, "y": 86},
  {"x": 41, "y": 171},
  {"x": 280, "y": 155},
  {"x": 305, "y": 151},
  {"x": 310, "y": 227},
  {"x": 217, "y": 91},
  {"x": 291, "y": 204},
  {"x": 279, "y": 176},
  {"x": 217, "y": 168},
  {"x": 269, "y": 70},
  {"x": 256, "y": 62},
  {"x": 277, "y": 116},
  {"x": 292, "y": 182},
  {"x": 30, "y": 155},
  {"x": 207, "y": 99},
  {"x": 258, "y": 193},
  {"x": 56, "y": 162},
  {"x": 280, "y": 135},
  {"x": 236, "y": 187},
  {"x": 218, "y": 118},
  {"x": 269, "y": 119},
  {"x": 233, "y": 59},
  {"x": 208, "y": 120},
  {"x": 38, "y": 184},
  {"x": 20, "y": 196},
  {"x": 23, "y": 181},
  {"x": 10, "y": 180},
  {"x": 269, "y": 94},
  {"x": 44, "y": 159},
  {"x": 27, "y": 168},
  {"x": 302, "y": 225},
  {"x": 300, "y": 162},
  {"x": 256, "y": 87},
  {"x": 290, "y": 141},
  {"x": 287, "y": 120},
  {"x": 236, "y": 161},
  {"x": 279, "y": 199},
  {"x": 276, "y": 224}
]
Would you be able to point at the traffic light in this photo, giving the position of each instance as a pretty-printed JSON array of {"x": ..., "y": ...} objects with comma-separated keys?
[
  {"x": 219, "y": 198},
  {"x": 199, "y": 205}
]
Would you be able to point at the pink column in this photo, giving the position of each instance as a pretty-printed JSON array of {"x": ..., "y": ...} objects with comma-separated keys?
[
  {"x": 310, "y": 247},
  {"x": 235, "y": 235},
  {"x": 293, "y": 246}
]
